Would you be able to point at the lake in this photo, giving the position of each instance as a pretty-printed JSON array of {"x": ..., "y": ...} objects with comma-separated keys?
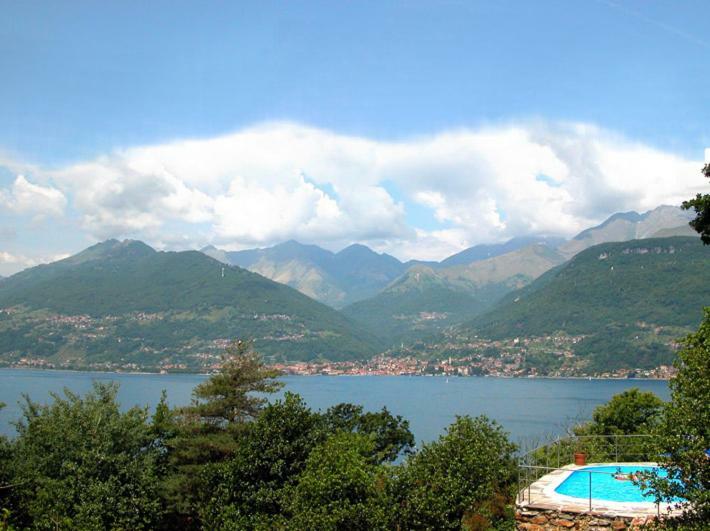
[{"x": 529, "y": 408}]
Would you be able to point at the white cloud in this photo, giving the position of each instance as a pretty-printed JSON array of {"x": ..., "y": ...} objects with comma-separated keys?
[
  {"x": 7, "y": 258},
  {"x": 277, "y": 181},
  {"x": 25, "y": 197},
  {"x": 12, "y": 263}
]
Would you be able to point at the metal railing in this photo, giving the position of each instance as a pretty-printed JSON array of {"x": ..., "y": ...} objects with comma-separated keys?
[{"x": 555, "y": 455}]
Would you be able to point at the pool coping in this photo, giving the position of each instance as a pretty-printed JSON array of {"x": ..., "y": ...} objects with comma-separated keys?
[{"x": 543, "y": 496}]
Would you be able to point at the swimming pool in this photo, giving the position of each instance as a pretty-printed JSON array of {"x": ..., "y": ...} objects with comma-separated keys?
[{"x": 605, "y": 486}]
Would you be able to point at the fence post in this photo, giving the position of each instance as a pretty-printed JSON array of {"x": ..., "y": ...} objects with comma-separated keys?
[
  {"x": 590, "y": 492},
  {"x": 517, "y": 491},
  {"x": 558, "y": 452},
  {"x": 616, "y": 447},
  {"x": 528, "y": 490}
]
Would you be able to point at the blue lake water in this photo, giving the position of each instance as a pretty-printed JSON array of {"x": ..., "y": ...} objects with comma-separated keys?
[{"x": 530, "y": 409}]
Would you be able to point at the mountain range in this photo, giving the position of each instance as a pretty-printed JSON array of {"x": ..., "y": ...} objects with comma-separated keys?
[
  {"x": 629, "y": 301},
  {"x": 125, "y": 301},
  {"x": 405, "y": 300},
  {"x": 427, "y": 299},
  {"x": 336, "y": 279},
  {"x": 357, "y": 273},
  {"x": 660, "y": 222}
]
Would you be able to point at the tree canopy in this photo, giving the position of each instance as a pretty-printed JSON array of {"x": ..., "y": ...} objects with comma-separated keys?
[
  {"x": 80, "y": 463},
  {"x": 230, "y": 462},
  {"x": 631, "y": 412},
  {"x": 701, "y": 204},
  {"x": 685, "y": 430},
  {"x": 463, "y": 479},
  {"x": 227, "y": 398}
]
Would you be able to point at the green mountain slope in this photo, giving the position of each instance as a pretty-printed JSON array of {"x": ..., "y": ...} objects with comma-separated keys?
[
  {"x": 630, "y": 300},
  {"x": 125, "y": 301},
  {"x": 425, "y": 300}
]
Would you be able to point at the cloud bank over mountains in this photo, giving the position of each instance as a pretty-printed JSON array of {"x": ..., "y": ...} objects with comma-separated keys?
[{"x": 424, "y": 197}]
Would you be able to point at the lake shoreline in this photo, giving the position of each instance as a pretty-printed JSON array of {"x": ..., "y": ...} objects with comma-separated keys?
[{"x": 194, "y": 373}]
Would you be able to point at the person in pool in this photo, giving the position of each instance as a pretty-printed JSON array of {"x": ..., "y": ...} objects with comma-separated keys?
[{"x": 625, "y": 477}]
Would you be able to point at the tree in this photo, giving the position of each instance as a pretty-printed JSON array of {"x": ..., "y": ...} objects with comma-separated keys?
[
  {"x": 464, "y": 479},
  {"x": 80, "y": 463},
  {"x": 251, "y": 490},
  {"x": 227, "y": 398},
  {"x": 6, "y": 459},
  {"x": 631, "y": 412},
  {"x": 685, "y": 431},
  {"x": 391, "y": 433},
  {"x": 248, "y": 491},
  {"x": 701, "y": 204},
  {"x": 208, "y": 430},
  {"x": 341, "y": 488}
]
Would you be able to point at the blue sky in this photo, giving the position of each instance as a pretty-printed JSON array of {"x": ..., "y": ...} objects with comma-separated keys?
[{"x": 85, "y": 80}]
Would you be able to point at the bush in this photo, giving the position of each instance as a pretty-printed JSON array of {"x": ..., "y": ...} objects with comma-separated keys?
[
  {"x": 466, "y": 478},
  {"x": 79, "y": 463}
]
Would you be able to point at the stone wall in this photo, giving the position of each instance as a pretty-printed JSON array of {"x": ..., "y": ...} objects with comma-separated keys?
[{"x": 530, "y": 519}]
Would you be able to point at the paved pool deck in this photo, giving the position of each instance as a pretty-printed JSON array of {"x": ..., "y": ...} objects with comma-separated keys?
[{"x": 541, "y": 495}]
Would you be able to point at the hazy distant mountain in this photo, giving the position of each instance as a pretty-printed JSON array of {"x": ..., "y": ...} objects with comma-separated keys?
[
  {"x": 337, "y": 279},
  {"x": 627, "y": 226},
  {"x": 126, "y": 301},
  {"x": 353, "y": 274},
  {"x": 630, "y": 299},
  {"x": 398, "y": 299},
  {"x": 427, "y": 299},
  {"x": 682, "y": 230},
  {"x": 481, "y": 252}
]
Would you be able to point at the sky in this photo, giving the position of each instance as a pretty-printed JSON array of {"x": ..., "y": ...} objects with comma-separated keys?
[{"x": 417, "y": 128}]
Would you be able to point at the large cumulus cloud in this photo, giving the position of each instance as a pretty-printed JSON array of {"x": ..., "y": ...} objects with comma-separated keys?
[{"x": 276, "y": 181}]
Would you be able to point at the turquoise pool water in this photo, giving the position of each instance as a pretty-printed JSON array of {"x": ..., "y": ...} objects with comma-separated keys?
[{"x": 605, "y": 486}]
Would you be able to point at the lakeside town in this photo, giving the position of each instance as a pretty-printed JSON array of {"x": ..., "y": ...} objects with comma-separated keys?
[
  {"x": 378, "y": 366},
  {"x": 551, "y": 355}
]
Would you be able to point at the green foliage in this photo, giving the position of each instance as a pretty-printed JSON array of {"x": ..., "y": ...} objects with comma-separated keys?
[
  {"x": 631, "y": 412},
  {"x": 5, "y": 524},
  {"x": 208, "y": 431},
  {"x": 685, "y": 430},
  {"x": 248, "y": 490},
  {"x": 341, "y": 488},
  {"x": 227, "y": 397},
  {"x": 390, "y": 434},
  {"x": 80, "y": 463},
  {"x": 464, "y": 478},
  {"x": 425, "y": 300},
  {"x": 252, "y": 489},
  {"x": 6, "y": 460},
  {"x": 701, "y": 204}
]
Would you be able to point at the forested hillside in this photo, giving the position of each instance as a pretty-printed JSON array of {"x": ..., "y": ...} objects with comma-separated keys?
[
  {"x": 123, "y": 301},
  {"x": 630, "y": 300},
  {"x": 425, "y": 300}
]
